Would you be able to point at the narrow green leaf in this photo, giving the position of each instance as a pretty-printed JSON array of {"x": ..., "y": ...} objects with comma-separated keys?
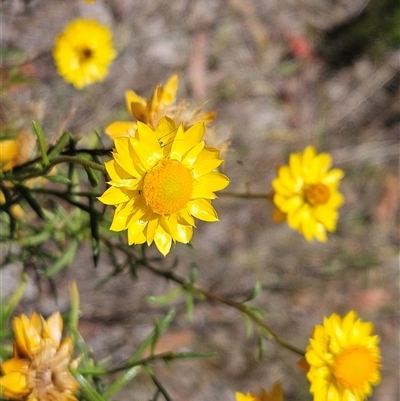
[
  {"x": 193, "y": 273},
  {"x": 31, "y": 201},
  {"x": 256, "y": 291},
  {"x": 122, "y": 381},
  {"x": 94, "y": 182},
  {"x": 42, "y": 142},
  {"x": 160, "y": 327},
  {"x": 94, "y": 230},
  {"x": 164, "y": 299},
  {"x": 59, "y": 179},
  {"x": 88, "y": 391},
  {"x": 248, "y": 324},
  {"x": 189, "y": 305},
  {"x": 59, "y": 146},
  {"x": 65, "y": 260},
  {"x": 7, "y": 309}
]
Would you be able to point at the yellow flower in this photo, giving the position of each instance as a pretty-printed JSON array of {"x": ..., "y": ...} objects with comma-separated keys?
[
  {"x": 160, "y": 179},
  {"x": 39, "y": 369},
  {"x": 306, "y": 191},
  {"x": 83, "y": 52},
  {"x": 275, "y": 394},
  {"x": 15, "y": 151},
  {"x": 161, "y": 103},
  {"x": 344, "y": 359}
]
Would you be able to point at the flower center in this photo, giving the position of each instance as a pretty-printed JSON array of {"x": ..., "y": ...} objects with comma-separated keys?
[
  {"x": 167, "y": 188},
  {"x": 316, "y": 194},
  {"x": 84, "y": 54},
  {"x": 354, "y": 367}
]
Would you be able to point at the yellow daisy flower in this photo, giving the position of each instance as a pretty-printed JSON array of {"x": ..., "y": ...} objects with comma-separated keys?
[
  {"x": 161, "y": 103},
  {"x": 306, "y": 192},
  {"x": 83, "y": 52},
  {"x": 160, "y": 179},
  {"x": 344, "y": 359},
  {"x": 275, "y": 394},
  {"x": 16, "y": 151},
  {"x": 39, "y": 369}
]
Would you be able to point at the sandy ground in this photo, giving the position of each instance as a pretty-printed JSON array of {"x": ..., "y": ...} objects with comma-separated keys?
[{"x": 271, "y": 99}]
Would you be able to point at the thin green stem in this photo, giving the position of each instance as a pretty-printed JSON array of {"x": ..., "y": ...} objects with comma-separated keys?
[
  {"x": 216, "y": 298},
  {"x": 267, "y": 196},
  {"x": 54, "y": 162}
]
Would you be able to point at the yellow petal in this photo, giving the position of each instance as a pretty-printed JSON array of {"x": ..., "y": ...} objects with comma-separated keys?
[
  {"x": 150, "y": 231},
  {"x": 115, "y": 171},
  {"x": 184, "y": 233},
  {"x": 114, "y": 196},
  {"x": 202, "y": 209},
  {"x": 15, "y": 365},
  {"x": 205, "y": 166},
  {"x": 135, "y": 232},
  {"x": 121, "y": 129},
  {"x": 213, "y": 181},
  {"x": 127, "y": 164},
  {"x": 52, "y": 328},
  {"x": 193, "y": 136},
  {"x": 136, "y": 105},
  {"x": 178, "y": 145},
  {"x": 14, "y": 385},
  {"x": 163, "y": 240},
  {"x": 191, "y": 157},
  {"x": 170, "y": 89}
]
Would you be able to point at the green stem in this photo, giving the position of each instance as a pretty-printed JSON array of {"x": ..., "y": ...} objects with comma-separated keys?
[
  {"x": 215, "y": 298},
  {"x": 267, "y": 196},
  {"x": 58, "y": 160}
]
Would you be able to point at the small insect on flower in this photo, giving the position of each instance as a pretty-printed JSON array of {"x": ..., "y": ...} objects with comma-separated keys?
[
  {"x": 39, "y": 369},
  {"x": 275, "y": 394},
  {"x": 344, "y": 359},
  {"x": 160, "y": 179},
  {"x": 83, "y": 52},
  {"x": 306, "y": 194}
]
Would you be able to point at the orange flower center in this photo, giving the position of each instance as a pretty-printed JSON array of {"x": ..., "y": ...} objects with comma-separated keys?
[
  {"x": 354, "y": 367},
  {"x": 316, "y": 194},
  {"x": 168, "y": 187}
]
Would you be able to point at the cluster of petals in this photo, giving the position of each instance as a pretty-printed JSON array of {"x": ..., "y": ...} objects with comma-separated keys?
[
  {"x": 160, "y": 179},
  {"x": 161, "y": 103},
  {"x": 306, "y": 194},
  {"x": 83, "y": 52},
  {"x": 343, "y": 358},
  {"x": 275, "y": 394},
  {"x": 39, "y": 368}
]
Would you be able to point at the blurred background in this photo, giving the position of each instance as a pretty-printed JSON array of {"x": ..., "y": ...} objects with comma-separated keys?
[{"x": 281, "y": 75}]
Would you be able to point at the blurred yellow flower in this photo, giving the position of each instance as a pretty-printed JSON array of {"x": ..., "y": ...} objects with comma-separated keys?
[
  {"x": 306, "y": 191},
  {"x": 161, "y": 103},
  {"x": 83, "y": 52},
  {"x": 275, "y": 394},
  {"x": 39, "y": 370},
  {"x": 17, "y": 150},
  {"x": 160, "y": 179},
  {"x": 344, "y": 359}
]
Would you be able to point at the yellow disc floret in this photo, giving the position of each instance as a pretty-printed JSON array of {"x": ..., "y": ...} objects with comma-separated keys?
[
  {"x": 167, "y": 188},
  {"x": 354, "y": 367},
  {"x": 316, "y": 194}
]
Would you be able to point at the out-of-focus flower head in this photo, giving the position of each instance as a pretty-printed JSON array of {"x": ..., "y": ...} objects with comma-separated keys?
[
  {"x": 344, "y": 359},
  {"x": 39, "y": 369},
  {"x": 16, "y": 150},
  {"x": 83, "y": 52},
  {"x": 306, "y": 194},
  {"x": 160, "y": 179},
  {"x": 163, "y": 103},
  {"x": 275, "y": 394}
]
